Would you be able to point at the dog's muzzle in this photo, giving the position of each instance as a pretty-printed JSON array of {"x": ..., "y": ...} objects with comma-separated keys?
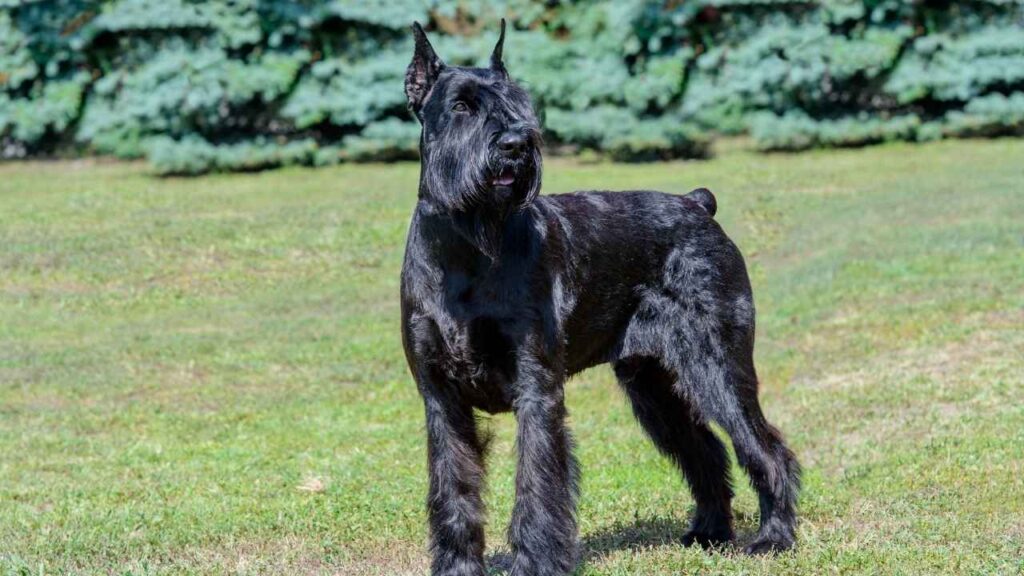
[{"x": 510, "y": 157}]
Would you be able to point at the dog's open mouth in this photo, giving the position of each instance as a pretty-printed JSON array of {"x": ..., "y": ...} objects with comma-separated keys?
[{"x": 504, "y": 178}]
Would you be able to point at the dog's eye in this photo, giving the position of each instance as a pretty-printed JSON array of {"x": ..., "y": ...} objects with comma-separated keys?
[{"x": 460, "y": 106}]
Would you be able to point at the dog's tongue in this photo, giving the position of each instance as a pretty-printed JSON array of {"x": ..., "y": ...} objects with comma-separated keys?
[{"x": 506, "y": 178}]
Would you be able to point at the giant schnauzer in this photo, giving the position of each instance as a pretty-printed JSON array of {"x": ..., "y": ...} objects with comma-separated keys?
[{"x": 505, "y": 294}]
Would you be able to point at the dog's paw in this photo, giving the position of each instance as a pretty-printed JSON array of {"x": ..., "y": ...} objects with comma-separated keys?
[
  {"x": 763, "y": 545},
  {"x": 707, "y": 540}
]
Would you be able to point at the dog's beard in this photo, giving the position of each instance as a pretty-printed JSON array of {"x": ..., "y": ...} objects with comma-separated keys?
[
  {"x": 454, "y": 173},
  {"x": 460, "y": 180},
  {"x": 479, "y": 190}
]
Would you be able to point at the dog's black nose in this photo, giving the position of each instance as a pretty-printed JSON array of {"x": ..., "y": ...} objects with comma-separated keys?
[{"x": 512, "y": 143}]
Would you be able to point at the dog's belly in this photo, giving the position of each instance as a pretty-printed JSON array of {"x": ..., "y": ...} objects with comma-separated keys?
[{"x": 594, "y": 329}]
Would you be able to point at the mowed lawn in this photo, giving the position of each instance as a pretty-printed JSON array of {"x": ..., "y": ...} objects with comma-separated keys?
[{"x": 206, "y": 376}]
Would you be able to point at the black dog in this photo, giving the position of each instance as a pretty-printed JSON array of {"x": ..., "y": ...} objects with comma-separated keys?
[{"x": 505, "y": 294}]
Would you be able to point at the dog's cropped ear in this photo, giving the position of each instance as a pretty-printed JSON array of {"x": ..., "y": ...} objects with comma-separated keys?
[
  {"x": 422, "y": 72},
  {"x": 496, "y": 64}
]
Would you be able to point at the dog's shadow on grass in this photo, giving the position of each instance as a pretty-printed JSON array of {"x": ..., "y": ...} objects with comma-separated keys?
[{"x": 640, "y": 534}]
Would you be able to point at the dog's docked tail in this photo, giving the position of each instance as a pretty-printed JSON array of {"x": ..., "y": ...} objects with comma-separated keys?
[{"x": 705, "y": 199}]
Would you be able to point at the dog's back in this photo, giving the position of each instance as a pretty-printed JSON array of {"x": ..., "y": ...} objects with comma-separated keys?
[
  {"x": 618, "y": 246},
  {"x": 638, "y": 225}
]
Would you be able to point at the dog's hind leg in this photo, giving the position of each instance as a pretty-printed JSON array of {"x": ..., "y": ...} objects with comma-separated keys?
[
  {"x": 669, "y": 421},
  {"x": 700, "y": 324},
  {"x": 716, "y": 367}
]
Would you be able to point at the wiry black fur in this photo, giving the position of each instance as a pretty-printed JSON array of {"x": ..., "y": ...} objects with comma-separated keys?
[{"x": 505, "y": 294}]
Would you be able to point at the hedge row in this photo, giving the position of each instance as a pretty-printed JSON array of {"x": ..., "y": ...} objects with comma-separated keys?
[{"x": 246, "y": 84}]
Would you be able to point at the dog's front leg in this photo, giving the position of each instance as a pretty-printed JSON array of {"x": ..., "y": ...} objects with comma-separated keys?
[
  {"x": 456, "y": 510},
  {"x": 543, "y": 530}
]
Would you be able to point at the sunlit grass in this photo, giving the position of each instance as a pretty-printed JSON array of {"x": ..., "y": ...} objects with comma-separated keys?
[{"x": 206, "y": 375}]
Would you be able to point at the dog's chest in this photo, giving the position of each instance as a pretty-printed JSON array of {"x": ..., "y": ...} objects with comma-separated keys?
[{"x": 483, "y": 327}]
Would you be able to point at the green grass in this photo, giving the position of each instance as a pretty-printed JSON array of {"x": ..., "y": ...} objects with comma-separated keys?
[{"x": 205, "y": 376}]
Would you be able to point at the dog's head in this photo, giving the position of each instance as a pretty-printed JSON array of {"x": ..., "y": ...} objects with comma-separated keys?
[{"x": 480, "y": 142}]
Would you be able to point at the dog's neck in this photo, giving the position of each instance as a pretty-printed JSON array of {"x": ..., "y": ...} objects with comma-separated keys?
[{"x": 491, "y": 231}]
